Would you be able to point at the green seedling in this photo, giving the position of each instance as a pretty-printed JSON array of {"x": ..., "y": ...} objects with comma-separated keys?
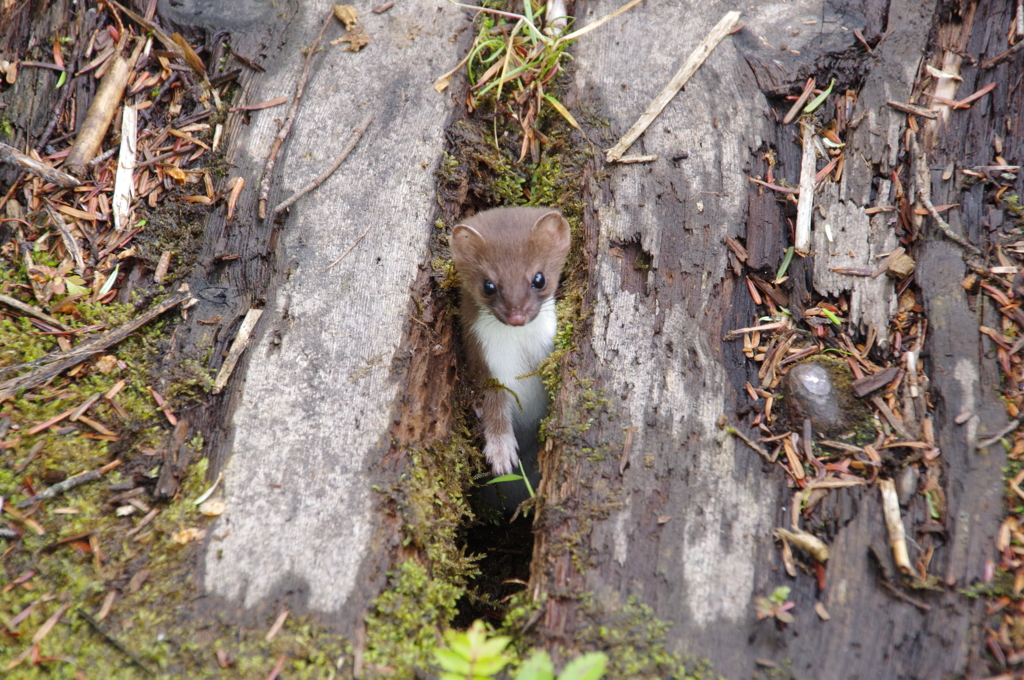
[
  {"x": 775, "y": 605},
  {"x": 786, "y": 261},
  {"x": 514, "y": 477},
  {"x": 820, "y": 99},
  {"x": 518, "y": 55},
  {"x": 471, "y": 655},
  {"x": 587, "y": 667}
]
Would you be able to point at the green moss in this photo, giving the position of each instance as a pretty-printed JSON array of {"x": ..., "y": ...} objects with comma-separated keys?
[
  {"x": 634, "y": 640},
  {"x": 431, "y": 500},
  {"x": 402, "y": 627}
]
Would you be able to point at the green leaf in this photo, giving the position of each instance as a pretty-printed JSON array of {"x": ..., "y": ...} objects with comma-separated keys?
[
  {"x": 505, "y": 478},
  {"x": 490, "y": 666},
  {"x": 493, "y": 647},
  {"x": 537, "y": 667},
  {"x": 452, "y": 661},
  {"x": 562, "y": 110},
  {"x": 458, "y": 643},
  {"x": 63, "y": 79},
  {"x": 786, "y": 260},
  {"x": 476, "y": 636},
  {"x": 75, "y": 288},
  {"x": 780, "y": 594},
  {"x": 820, "y": 99},
  {"x": 587, "y": 667},
  {"x": 526, "y": 480},
  {"x": 831, "y": 317}
]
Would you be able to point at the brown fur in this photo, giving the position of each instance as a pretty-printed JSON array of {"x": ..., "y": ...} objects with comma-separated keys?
[{"x": 508, "y": 246}]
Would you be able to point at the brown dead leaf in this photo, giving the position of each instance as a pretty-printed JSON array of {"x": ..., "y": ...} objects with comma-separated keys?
[
  {"x": 106, "y": 364},
  {"x": 137, "y": 580},
  {"x": 347, "y": 14},
  {"x": 186, "y": 536},
  {"x": 176, "y": 173},
  {"x": 190, "y": 55},
  {"x": 356, "y": 37},
  {"x": 213, "y": 508},
  {"x": 237, "y": 184}
]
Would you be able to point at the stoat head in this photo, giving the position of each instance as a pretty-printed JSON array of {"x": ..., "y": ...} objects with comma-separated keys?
[{"x": 510, "y": 259}]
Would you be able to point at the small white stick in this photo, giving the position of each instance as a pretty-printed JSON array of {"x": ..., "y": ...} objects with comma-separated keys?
[
  {"x": 689, "y": 67},
  {"x": 894, "y": 523},
  {"x": 124, "y": 186},
  {"x": 237, "y": 347},
  {"x": 805, "y": 206},
  {"x": 636, "y": 158}
]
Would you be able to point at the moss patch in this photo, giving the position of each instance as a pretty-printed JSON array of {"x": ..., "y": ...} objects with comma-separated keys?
[{"x": 634, "y": 640}]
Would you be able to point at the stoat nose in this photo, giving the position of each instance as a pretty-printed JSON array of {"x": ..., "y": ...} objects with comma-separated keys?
[{"x": 516, "y": 318}]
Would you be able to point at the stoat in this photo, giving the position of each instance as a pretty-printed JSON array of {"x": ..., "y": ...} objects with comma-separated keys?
[{"x": 509, "y": 260}]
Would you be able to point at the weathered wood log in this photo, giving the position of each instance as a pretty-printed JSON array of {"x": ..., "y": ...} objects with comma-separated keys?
[
  {"x": 687, "y": 527},
  {"x": 312, "y": 404}
]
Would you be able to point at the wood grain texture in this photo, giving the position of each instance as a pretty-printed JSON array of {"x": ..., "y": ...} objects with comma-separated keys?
[
  {"x": 686, "y": 529},
  {"x": 315, "y": 411}
]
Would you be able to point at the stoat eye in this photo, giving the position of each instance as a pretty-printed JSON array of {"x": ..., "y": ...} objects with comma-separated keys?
[
  {"x": 538, "y": 280},
  {"x": 489, "y": 288}
]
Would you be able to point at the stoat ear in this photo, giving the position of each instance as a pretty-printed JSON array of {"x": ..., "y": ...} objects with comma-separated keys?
[
  {"x": 466, "y": 242},
  {"x": 554, "y": 229}
]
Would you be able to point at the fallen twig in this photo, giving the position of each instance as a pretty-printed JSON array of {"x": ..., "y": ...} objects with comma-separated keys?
[
  {"x": 686, "y": 71},
  {"x": 998, "y": 59},
  {"x": 98, "y": 627},
  {"x": 70, "y": 242},
  {"x": 923, "y": 181},
  {"x": 805, "y": 204},
  {"x": 913, "y": 110},
  {"x": 806, "y": 541},
  {"x": 891, "y": 418},
  {"x": 800, "y": 102},
  {"x": 894, "y": 523},
  {"x": 68, "y": 484},
  {"x": 32, "y": 311},
  {"x": 349, "y": 249},
  {"x": 357, "y": 134},
  {"x": 124, "y": 185},
  {"x": 238, "y": 346},
  {"x": 286, "y": 124},
  {"x": 59, "y": 362},
  {"x": 748, "y": 441},
  {"x": 776, "y": 187},
  {"x": 8, "y": 154},
  {"x": 985, "y": 443},
  {"x": 101, "y": 112}
]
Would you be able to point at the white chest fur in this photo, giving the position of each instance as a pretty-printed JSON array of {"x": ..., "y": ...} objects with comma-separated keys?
[{"x": 515, "y": 351}]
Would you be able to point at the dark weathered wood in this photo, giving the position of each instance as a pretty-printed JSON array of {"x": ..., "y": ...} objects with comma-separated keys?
[
  {"x": 870, "y": 383},
  {"x": 305, "y": 422},
  {"x": 686, "y": 528},
  {"x": 27, "y": 32}
]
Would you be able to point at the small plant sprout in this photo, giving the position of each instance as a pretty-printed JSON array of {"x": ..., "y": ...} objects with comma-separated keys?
[
  {"x": 775, "y": 605},
  {"x": 471, "y": 655},
  {"x": 514, "y": 478},
  {"x": 587, "y": 667},
  {"x": 518, "y": 55}
]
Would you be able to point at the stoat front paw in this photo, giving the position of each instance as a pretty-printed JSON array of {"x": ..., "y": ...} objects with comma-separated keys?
[{"x": 502, "y": 452}]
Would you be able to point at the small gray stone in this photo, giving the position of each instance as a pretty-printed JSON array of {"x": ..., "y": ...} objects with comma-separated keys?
[{"x": 813, "y": 395}]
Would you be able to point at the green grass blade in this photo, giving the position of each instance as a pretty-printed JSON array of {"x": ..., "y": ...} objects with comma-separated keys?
[{"x": 562, "y": 110}]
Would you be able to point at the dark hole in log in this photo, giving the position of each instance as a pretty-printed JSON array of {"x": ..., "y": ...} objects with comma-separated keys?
[
  {"x": 505, "y": 551},
  {"x": 635, "y": 264}
]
